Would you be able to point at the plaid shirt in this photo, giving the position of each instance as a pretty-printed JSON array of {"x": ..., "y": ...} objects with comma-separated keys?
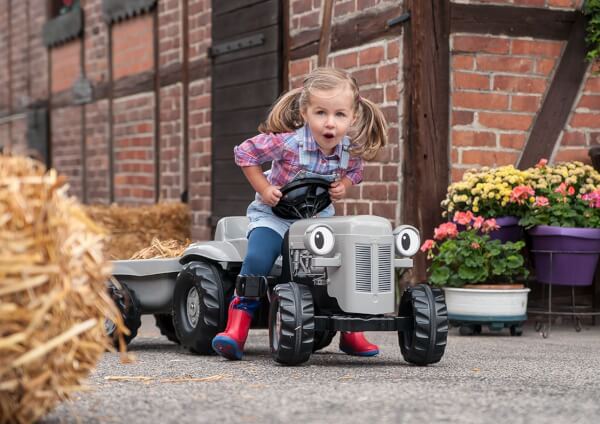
[{"x": 283, "y": 151}]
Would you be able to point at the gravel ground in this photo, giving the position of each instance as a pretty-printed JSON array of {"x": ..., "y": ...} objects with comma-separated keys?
[{"x": 491, "y": 378}]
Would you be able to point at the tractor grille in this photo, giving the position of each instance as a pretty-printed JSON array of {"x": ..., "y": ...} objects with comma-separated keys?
[
  {"x": 384, "y": 254},
  {"x": 364, "y": 266}
]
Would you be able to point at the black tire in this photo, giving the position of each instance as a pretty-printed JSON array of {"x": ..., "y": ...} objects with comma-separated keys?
[
  {"x": 129, "y": 307},
  {"x": 516, "y": 330},
  {"x": 164, "y": 322},
  {"x": 200, "y": 284},
  {"x": 322, "y": 339},
  {"x": 291, "y": 324},
  {"x": 426, "y": 342}
]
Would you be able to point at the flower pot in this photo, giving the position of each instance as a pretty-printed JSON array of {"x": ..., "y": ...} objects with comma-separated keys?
[
  {"x": 509, "y": 230},
  {"x": 481, "y": 305},
  {"x": 565, "y": 255}
]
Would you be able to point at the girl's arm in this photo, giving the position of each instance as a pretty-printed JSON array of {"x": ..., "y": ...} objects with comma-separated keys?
[
  {"x": 270, "y": 194},
  {"x": 338, "y": 188}
]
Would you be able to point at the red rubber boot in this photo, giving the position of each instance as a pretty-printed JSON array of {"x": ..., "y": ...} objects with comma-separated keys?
[
  {"x": 356, "y": 344},
  {"x": 230, "y": 343}
]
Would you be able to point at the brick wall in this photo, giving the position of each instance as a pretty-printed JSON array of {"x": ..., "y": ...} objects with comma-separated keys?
[
  {"x": 66, "y": 63},
  {"x": 171, "y": 137},
  {"x": 497, "y": 86},
  {"x": 133, "y": 149},
  {"x": 38, "y": 52},
  {"x": 133, "y": 46},
  {"x": 97, "y": 154},
  {"x": 554, "y": 4},
  {"x": 199, "y": 125},
  {"x": 66, "y": 146},
  {"x": 4, "y": 65}
]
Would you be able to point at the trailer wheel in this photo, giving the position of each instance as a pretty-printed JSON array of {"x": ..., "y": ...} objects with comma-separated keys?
[
  {"x": 426, "y": 342},
  {"x": 129, "y": 308},
  {"x": 164, "y": 322},
  {"x": 291, "y": 323},
  {"x": 199, "y": 306},
  {"x": 323, "y": 339}
]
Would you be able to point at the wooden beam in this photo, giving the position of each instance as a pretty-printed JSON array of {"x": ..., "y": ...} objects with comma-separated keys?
[
  {"x": 185, "y": 82},
  {"x": 512, "y": 21},
  {"x": 325, "y": 36},
  {"x": 351, "y": 33},
  {"x": 156, "y": 84},
  {"x": 559, "y": 100},
  {"x": 285, "y": 45},
  {"x": 425, "y": 163}
]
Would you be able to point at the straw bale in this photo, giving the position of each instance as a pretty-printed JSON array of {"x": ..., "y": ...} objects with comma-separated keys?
[
  {"x": 53, "y": 299},
  {"x": 161, "y": 249},
  {"x": 132, "y": 228}
]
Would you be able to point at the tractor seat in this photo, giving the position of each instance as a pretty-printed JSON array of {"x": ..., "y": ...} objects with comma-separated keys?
[{"x": 233, "y": 229}]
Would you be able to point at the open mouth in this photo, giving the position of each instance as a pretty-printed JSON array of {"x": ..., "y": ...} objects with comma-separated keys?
[{"x": 328, "y": 136}]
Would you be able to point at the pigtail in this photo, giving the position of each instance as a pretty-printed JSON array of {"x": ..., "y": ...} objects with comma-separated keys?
[
  {"x": 285, "y": 115},
  {"x": 370, "y": 131}
]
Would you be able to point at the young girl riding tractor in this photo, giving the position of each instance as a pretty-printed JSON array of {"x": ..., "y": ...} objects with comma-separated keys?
[{"x": 323, "y": 129}]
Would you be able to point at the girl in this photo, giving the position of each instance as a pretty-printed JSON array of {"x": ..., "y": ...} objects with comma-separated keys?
[{"x": 323, "y": 129}]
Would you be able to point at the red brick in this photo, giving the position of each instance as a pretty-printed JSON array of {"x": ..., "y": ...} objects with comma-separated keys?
[
  {"x": 564, "y": 155},
  {"x": 373, "y": 94},
  {"x": 387, "y": 73},
  {"x": 300, "y": 67},
  {"x": 342, "y": 8},
  {"x": 592, "y": 85},
  {"x": 512, "y": 141},
  {"x": 457, "y": 174},
  {"x": 536, "y": 48},
  {"x": 590, "y": 101},
  {"x": 301, "y": 6},
  {"x": 519, "y": 84},
  {"x": 478, "y": 100},
  {"x": 461, "y": 61},
  {"x": 469, "y": 80},
  {"x": 365, "y": 76},
  {"x": 585, "y": 120},
  {"x": 390, "y": 173},
  {"x": 489, "y": 157},
  {"x": 480, "y": 44},
  {"x": 473, "y": 138},
  {"x": 371, "y": 56},
  {"x": 462, "y": 117},
  {"x": 569, "y": 4},
  {"x": 358, "y": 208},
  {"x": 372, "y": 172},
  {"x": 545, "y": 66},
  {"x": 525, "y": 103},
  {"x": 386, "y": 210},
  {"x": 391, "y": 93},
  {"x": 573, "y": 138},
  {"x": 505, "y": 121},
  {"x": 344, "y": 61},
  {"x": 393, "y": 50},
  {"x": 65, "y": 65},
  {"x": 504, "y": 63}
]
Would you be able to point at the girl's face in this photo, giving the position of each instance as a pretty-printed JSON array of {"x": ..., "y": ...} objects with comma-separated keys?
[{"x": 329, "y": 115}]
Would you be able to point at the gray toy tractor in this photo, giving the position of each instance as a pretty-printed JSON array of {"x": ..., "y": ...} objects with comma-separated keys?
[{"x": 335, "y": 274}]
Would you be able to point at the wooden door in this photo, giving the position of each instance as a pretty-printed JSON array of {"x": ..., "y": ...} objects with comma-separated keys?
[{"x": 246, "y": 79}]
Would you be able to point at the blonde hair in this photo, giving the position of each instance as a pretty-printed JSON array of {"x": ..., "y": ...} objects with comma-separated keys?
[{"x": 368, "y": 134}]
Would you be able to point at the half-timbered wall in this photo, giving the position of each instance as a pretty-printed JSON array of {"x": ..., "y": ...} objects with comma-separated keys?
[{"x": 146, "y": 132}]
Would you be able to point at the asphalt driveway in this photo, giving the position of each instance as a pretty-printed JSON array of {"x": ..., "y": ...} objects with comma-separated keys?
[{"x": 491, "y": 378}]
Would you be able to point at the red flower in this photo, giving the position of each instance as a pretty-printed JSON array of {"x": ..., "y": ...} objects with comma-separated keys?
[
  {"x": 447, "y": 229},
  {"x": 541, "y": 201},
  {"x": 521, "y": 193},
  {"x": 541, "y": 163},
  {"x": 489, "y": 225},
  {"x": 463, "y": 218},
  {"x": 428, "y": 245}
]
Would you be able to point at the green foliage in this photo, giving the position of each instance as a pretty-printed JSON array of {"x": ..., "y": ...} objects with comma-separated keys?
[
  {"x": 473, "y": 258},
  {"x": 591, "y": 8}
]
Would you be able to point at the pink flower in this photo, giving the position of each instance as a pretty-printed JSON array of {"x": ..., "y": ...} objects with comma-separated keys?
[
  {"x": 541, "y": 163},
  {"x": 428, "y": 245},
  {"x": 475, "y": 245},
  {"x": 541, "y": 201},
  {"x": 489, "y": 225},
  {"x": 521, "y": 193},
  {"x": 478, "y": 222},
  {"x": 571, "y": 190},
  {"x": 463, "y": 218},
  {"x": 447, "y": 229},
  {"x": 562, "y": 189},
  {"x": 593, "y": 198}
]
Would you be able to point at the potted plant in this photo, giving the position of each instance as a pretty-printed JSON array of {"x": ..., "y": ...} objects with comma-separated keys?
[
  {"x": 489, "y": 192},
  {"x": 478, "y": 274},
  {"x": 563, "y": 219}
]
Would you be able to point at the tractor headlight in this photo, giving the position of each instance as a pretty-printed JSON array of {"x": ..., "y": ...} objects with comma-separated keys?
[
  {"x": 319, "y": 239},
  {"x": 407, "y": 240}
]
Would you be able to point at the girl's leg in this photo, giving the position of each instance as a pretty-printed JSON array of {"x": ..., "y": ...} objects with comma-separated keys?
[
  {"x": 356, "y": 344},
  {"x": 264, "y": 246}
]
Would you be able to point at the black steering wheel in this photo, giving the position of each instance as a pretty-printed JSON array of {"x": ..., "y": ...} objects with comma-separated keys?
[{"x": 303, "y": 198}]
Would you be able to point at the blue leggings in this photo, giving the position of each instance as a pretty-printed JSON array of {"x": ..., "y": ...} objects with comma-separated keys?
[{"x": 264, "y": 246}]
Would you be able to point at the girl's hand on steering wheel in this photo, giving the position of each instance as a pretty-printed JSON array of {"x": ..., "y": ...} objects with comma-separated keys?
[
  {"x": 271, "y": 195},
  {"x": 337, "y": 190}
]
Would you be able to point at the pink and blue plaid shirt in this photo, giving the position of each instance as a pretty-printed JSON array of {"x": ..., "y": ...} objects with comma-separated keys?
[{"x": 283, "y": 150}]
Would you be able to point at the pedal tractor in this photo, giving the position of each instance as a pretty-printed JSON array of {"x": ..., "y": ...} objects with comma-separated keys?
[{"x": 335, "y": 274}]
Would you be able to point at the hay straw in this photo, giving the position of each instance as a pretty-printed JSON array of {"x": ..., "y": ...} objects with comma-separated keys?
[
  {"x": 52, "y": 292},
  {"x": 162, "y": 249},
  {"x": 132, "y": 228}
]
